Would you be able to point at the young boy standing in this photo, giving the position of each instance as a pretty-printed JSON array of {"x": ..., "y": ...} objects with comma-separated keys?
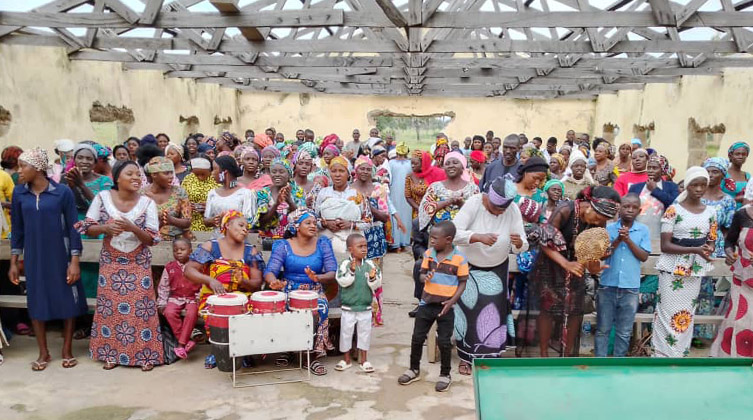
[
  {"x": 617, "y": 297},
  {"x": 358, "y": 278},
  {"x": 444, "y": 271}
]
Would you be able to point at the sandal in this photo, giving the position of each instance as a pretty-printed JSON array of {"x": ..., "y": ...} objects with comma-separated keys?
[
  {"x": 147, "y": 367},
  {"x": 82, "y": 333},
  {"x": 23, "y": 329},
  {"x": 109, "y": 365},
  {"x": 317, "y": 368},
  {"x": 70, "y": 363},
  {"x": 367, "y": 367},
  {"x": 38, "y": 366},
  {"x": 342, "y": 365},
  {"x": 465, "y": 369},
  {"x": 180, "y": 352},
  {"x": 283, "y": 360}
]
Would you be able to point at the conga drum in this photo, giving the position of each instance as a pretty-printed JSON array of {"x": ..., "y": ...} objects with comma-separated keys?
[
  {"x": 219, "y": 308},
  {"x": 303, "y": 300},
  {"x": 268, "y": 302}
]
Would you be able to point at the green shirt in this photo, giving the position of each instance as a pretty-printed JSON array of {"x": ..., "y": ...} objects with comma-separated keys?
[{"x": 356, "y": 289}]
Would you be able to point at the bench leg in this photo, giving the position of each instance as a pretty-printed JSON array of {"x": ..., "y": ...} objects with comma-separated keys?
[{"x": 432, "y": 350}]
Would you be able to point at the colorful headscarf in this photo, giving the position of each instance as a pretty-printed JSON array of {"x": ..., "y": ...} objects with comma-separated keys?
[
  {"x": 159, "y": 164},
  {"x": 178, "y": 148},
  {"x": 301, "y": 155},
  {"x": 402, "y": 149},
  {"x": 560, "y": 159},
  {"x": 553, "y": 182},
  {"x": 637, "y": 142},
  {"x": 328, "y": 140},
  {"x": 441, "y": 150},
  {"x": 604, "y": 206},
  {"x": 103, "y": 152},
  {"x": 738, "y": 145},
  {"x": 262, "y": 140},
  {"x": 36, "y": 157},
  {"x": 378, "y": 150},
  {"x": 362, "y": 160},
  {"x": 717, "y": 162},
  {"x": 296, "y": 217},
  {"x": 229, "y": 216},
  {"x": 309, "y": 148},
  {"x": 339, "y": 160},
  {"x": 463, "y": 161},
  {"x": 284, "y": 163},
  {"x": 478, "y": 156},
  {"x": 271, "y": 149},
  {"x": 429, "y": 173},
  {"x": 211, "y": 142},
  {"x": 666, "y": 168},
  {"x": 248, "y": 150},
  {"x": 442, "y": 141},
  {"x": 332, "y": 149}
]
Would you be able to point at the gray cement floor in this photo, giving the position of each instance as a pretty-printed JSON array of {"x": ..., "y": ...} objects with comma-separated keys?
[{"x": 189, "y": 392}]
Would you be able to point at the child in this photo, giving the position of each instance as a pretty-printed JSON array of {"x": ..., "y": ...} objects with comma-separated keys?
[
  {"x": 358, "y": 278},
  {"x": 617, "y": 297},
  {"x": 444, "y": 271},
  {"x": 176, "y": 293}
]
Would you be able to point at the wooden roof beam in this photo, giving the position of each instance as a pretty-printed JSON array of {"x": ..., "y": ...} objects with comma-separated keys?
[{"x": 230, "y": 7}]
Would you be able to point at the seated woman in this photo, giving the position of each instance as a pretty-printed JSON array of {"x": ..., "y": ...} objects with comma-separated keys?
[
  {"x": 307, "y": 262},
  {"x": 227, "y": 264}
]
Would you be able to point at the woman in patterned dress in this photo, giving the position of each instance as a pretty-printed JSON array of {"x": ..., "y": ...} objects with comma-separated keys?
[
  {"x": 443, "y": 199},
  {"x": 736, "y": 179},
  {"x": 173, "y": 206},
  {"x": 126, "y": 327},
  {"x": 688, "y": 234},
  {"x": 197, "y": 185},
  {"x": 415, "y": 182},
  {"x": 274, "y": 203}
]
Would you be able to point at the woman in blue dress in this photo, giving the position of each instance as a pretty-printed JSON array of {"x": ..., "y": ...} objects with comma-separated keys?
[
  {"x": 400, "y": 168},
  {"x": 42, "y": 217},
  {"x": 307, "y": 262},
  {"x": 736, "y": 179}
]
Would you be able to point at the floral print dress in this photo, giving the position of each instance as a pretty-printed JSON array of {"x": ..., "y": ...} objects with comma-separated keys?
[
  {"x": 415, "y": 190},
  {"x": 178, "y": 206},
  {"x": 680, "y": 279},
  {"x": 264, "y": 201},
  {"x": 428, "y": 214},
  {"x": 197, "y": 191},
  {"x": 126, "y": 328}
]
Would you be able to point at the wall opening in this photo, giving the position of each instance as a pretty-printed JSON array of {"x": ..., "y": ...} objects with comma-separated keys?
[
  {"x": 412, "y": 129},
  {"x": 703, "y": 142},
  {"x": 643, "y": 132},
  {"x": 112, "y": 125},
  {"x": 190, "y": 125},
  {"x": 5, "y": 119},
  {"x": 222, "y": 124},
  {"x": 609, "y": 132}
]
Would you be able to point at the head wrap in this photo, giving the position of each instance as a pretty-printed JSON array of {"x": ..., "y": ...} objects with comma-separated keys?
[
  {"x": 604, "y": 206},
  {"x": 738, "y": 145},
  {"x": 282, "y": 162},
  {"x": 227, "y": 217},
  {"x": 271, "y": 149},
  {"x": 201, "y": 163},
  {"x": 392, "y": 154},
  {"x": 329, "y": 140},
  {"x": 650, "y": 151},
  {"x": 402, "y": 149},
  {"x": 637, "y": 142},
  {"x": 103, "y": 152},
  {"x": 463, "y": 161},
  {"x": 497, "y": 194},
  {"x": 717, "y": 162},
  {"x": 262, "y": 140},
  {"x": 441, "y": 150},
  {"x": 441, "y": 139},
  {"x": 575, "y": 156},
  {"x": 378, "y": 150},
  {"x": 36, "y": 157},
  {"x": 178, "y": 148},
  {"x": 84, "y": 146},
  {"x": 693, "y": 173},
  {"x": 429, "y": 173},
  {"x": 204, "y": 147},
  {"x": 148, "y": 139},
  {"x": 296, "y": 217},
  {"x": 332, "y": 149},
  {"x": 553, "y": 182},
  {"x": 248, "y": 150},
  {"x": 591, "y": 162},
  {"x": 666, "y": 168},
  {"x": 64, "y": 145},
  {"x": 309, "y": 148},
  {"x": 339, "y": 160},
  {"x": 478, "y": 156},
  {"x": 560, "y": 160},
  {"x": 533, "y": 164},
  {"x": 10, "y": 156},
  {"x": 211, "y": 142},
  {"x": 300, "y": 155},
  {"x": 362, "y": 160},
  {"x": 159, "y": 164}
]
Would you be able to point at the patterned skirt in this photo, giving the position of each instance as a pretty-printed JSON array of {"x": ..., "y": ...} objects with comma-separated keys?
[
  {"x": 735, "y": 336},
  {"x": 676, "y": 302},
  {"x": 322, "y": 342}
]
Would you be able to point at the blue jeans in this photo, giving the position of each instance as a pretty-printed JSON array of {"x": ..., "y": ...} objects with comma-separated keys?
[{"x": 615, "y": 308}]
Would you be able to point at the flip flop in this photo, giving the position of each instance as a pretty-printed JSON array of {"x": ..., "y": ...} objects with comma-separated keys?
[
  {"x": 180, "y": 352},
  {"x": 70, "y": 363},
  {"x": 38, "y": 366},
  {"x": 23, "y": 329},
  {"x": 109, "y": 365},
  {"x": 147, "y": 367},
  {"x": 342, "y": 365},
  {"x": 367, "y": 367}
]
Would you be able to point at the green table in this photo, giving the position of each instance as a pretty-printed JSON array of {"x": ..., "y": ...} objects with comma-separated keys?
[{"x": 613, "y": 388}]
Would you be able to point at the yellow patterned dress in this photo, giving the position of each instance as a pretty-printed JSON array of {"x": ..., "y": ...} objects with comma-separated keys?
[{"x": 198, "y": 191}]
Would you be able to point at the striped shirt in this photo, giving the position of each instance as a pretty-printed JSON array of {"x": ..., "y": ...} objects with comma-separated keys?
[{"x": 448, "y": 274}]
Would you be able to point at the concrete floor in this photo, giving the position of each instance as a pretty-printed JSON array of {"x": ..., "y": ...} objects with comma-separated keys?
[{"x": 189, "y": 392}]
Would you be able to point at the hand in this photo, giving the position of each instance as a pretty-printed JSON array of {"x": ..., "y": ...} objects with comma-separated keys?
[
  {"x": 401, "y": 226},
  {"x": 372, "y": 274},
  {"x": 624, "y": 234},
  {"x": 73, "y": 275},
  {"x": 428, "y": 276},
  {"x": 458, "y": 201},
  {"x": 284, "y": 195},
  {"x": 488, "y": 239},
  {"x": 198, "y": 207},
  {"x": 353, "y": 266},
  {"x": 13, "y": 274},
  {"x": 516, "y": 240},
  {"x": 126, "y": 225},
  {"x": 446, "y": 306},
  {"x": 705, "y": 251},
  {"x": 276, "y": 284},
  {"x": 164, "y": 218},
  {"x": 113, "y": 229},
  {"x": 650, "y": 184},
  {"x": 74, "y": 177},
  {"x": 310, "y": 273},
  {"x": 217, "y": 287},
  {"x": 575, "y": 268},
  {"x": 595, "y": 267},
  {"x": 730, "y": 256},
  {"x": 217, "y": 220}
]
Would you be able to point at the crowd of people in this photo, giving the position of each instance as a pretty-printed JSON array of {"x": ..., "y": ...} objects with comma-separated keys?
[{"x": 327, "y": 212}]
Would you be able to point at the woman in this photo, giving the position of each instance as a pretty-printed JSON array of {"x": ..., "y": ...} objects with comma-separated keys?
[
  {"x": 443, "y": 199},
  {"x": 554, "y": 188},
  {"x": 42, "y": 217},
  {"x": 440, "y": 151},
  {"x": 604, "y": 167},
  {"x": 328, "y": 153},
  {"x": 566, "y": 151},
  {"x": 557, "y": 279},
  {"x": 689, "y": 231},
  {"x": 382, "y": 173},
  {"x": 226, "y": 265},
  {"x": 636, "y": 175},
  {"x": 9, "y": 161},
  {"x": 102, "y": 164},
  {"x": 489, "y": 226},
  {"x": 488, "y": 150},
  {"x": 557, "y": 165},
  {"x": 275, "y": 202},
  {"x": 623, "y": 162},
  {"x": 303, "y": 163},
  {"x": 229, "y": 195},
  {"x": 126, "y": 327},
  {"x": 132, "y": 144},
  {"x": 174, "y": 152},
  {"x": 162, "y": 141},
  {"x": 477, "y": 144},
  {"x": 417, "y": 182},
  {"x": 252, "y": 178},
  {"x": 656, "y": 195},
  {"x": 197, "y": 185},
  {"x": 306, "y": 262},
  {"x": 478, "y": 165},
  {"x": 191, "y": 149},
  {"x": 268, "y": 154},
  {"x": 400, "y": 167},
  {"x": 733, "y": 334},
  {"x": 173, "y": 206},
  {"x": 120, "y": 153},
  {"x": 579, "y": 177},
  {"x": 736, "y": 179}
]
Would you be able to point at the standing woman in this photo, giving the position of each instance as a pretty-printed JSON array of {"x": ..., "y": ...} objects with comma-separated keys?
[
  {"x": 489, "y": 227},
  {"x": 554, "y": 188},
  {"x": 9, "y": 161},
  {"x": 401, "y": 169},
  {"x": 120, "y": 153},
  {"x": 478, "y": 165},
  {"x": 268, "y": 154},
  {"x": 557, "y": 165},
  {"x": 43, "y": 216},
  {"x": 304, "y": 260},
  {"x": 604, "y": 167},
  {"x": 252, "y": 177},
  {"x": 191, "y": 149},
  {"x": 303, "y": 163},
  {"x": 382, "y": 172},
  {"x": 132, "y": 144},
  {"x": 197, "y": 185},
  {"x": 736, "y": 179},
  {"x": 418, "y": 181},
  {"x": 173, "y": 206},
  {"x": 174, "y": 152},
  {"x": 622, "y": 162},
  {"x": 579, "y": 177},
  {"x": 102, "y": 166},
  {"x": 688, "y": 234},
  {"x": 443, "y": 199},
  {"x": 274, "y": 203},
  {"x": 636, "y": 175},
  {"x": 656, "y": 194},
  {"x": 556, "y": 278},
  {"x": 229, "y": 195},
  {"x": 126, "y": 328}
]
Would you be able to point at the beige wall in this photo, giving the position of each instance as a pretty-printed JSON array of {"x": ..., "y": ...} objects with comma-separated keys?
[{"x": 49, "y": 97}]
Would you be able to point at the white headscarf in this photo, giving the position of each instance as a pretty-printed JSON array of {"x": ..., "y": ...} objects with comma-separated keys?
[
  {"x": 693, "y": 173},
  {"x": 575, "y": 156}
]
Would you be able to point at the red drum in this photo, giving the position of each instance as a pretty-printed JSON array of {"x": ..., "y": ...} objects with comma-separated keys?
[
  {"x": 220, "y": 307},
  {"x": 303, "y": 300},
  {"x": 268, "y": 302}
]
